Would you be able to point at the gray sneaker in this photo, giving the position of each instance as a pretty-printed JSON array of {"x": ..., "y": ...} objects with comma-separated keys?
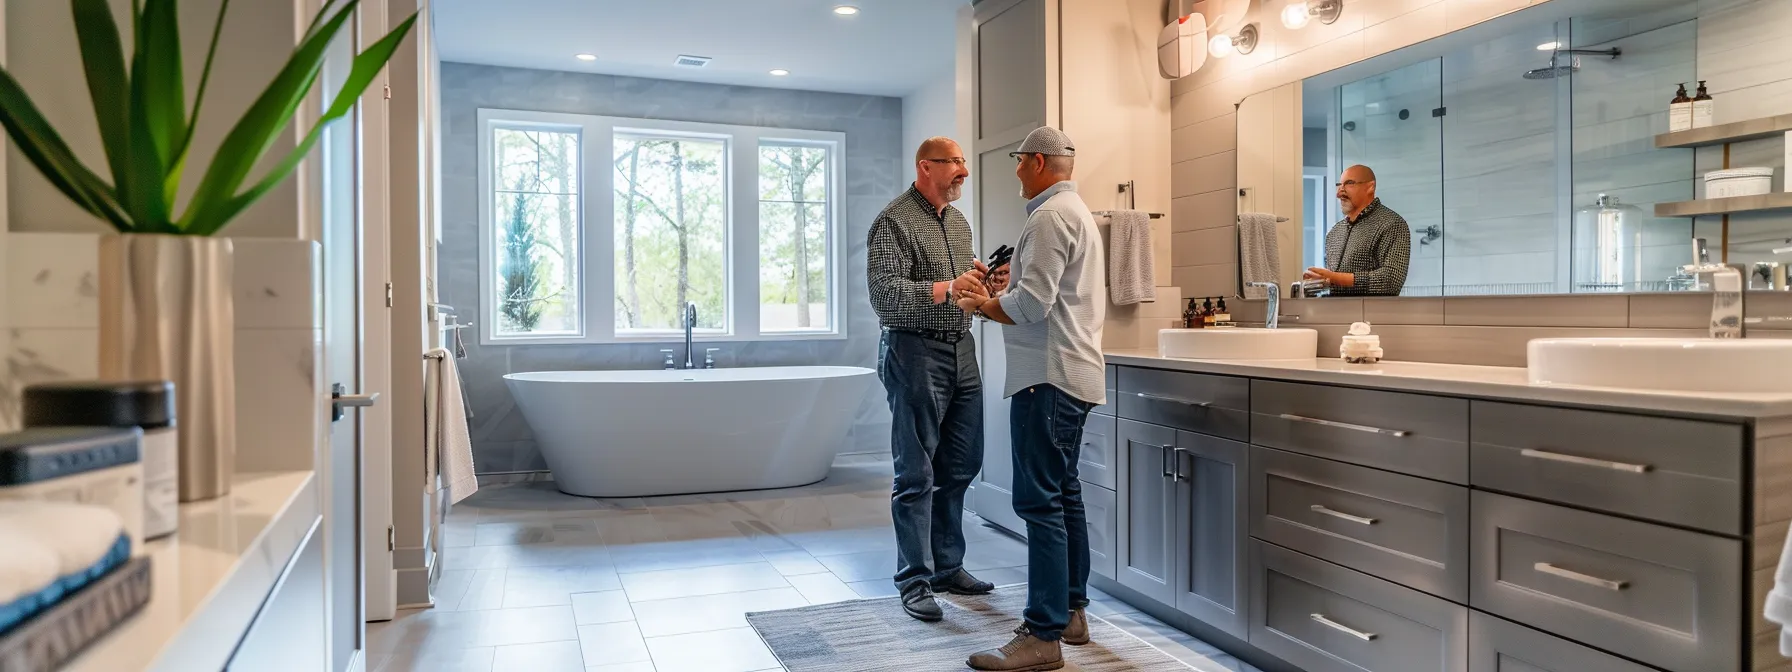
[
  {"x": 1024, "y": 653},
  {"x": 1077, "y": 633},
  {"x": 918, "y": 602}
]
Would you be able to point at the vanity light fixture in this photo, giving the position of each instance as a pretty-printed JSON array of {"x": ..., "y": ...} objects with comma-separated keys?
[
  {"x": 1549, "y": 46},
  {"x": 846, "y": 10},
  {"x": 586, "y": 57},
  {"x": 1299, "y": 12},
  {"x": 1245, "y": 42},
  {"x": 780, "y": 72}
]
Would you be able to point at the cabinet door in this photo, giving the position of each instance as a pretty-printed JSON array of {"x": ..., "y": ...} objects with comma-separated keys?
[
  {"x": 1095, "y": 461},
  {"x": 1211, "y": 482},
  {"x": 1098, "y": 505},
  {"x": 1499, "y": 645},
  {"x": 1146, "y": 552}
]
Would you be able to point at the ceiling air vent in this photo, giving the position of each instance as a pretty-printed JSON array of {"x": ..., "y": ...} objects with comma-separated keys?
[{"x": 688, "y": 61}]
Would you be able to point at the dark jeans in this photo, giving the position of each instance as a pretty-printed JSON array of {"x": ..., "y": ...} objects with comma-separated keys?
[
  {"x": 936, "y": 436},
  {"x": 1047, "y": 426}
]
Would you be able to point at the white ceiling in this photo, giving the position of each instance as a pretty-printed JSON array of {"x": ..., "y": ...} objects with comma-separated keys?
[{"x": 891, "y": 48}]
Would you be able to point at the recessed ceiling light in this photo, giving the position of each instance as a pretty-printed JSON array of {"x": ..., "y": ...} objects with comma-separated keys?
[
  {"x": 586, "y": 57},
  {"x": 780, "y": 72},
  {"x": 1548, "y": 46},
  {"x": 846, "y": 10}
]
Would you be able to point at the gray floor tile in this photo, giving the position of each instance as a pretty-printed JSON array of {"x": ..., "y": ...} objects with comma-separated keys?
[
  {"x": 565, "y": 530},
  {"x": 431, "y": 629},
  {"x": 668, "y": 584},
  {"x": 862, "y": 566},
  {"x": 544, "y": 657},
  {"x": 439, "y": 659},
  {"x": 736, "y": 650},
  {"x": 874, "y": 588},
  {"x": 822, "y": 588},
  {"x": 612, "y": 644},
  {"x": 610, "y": 606},
  {"x": 543, "y": 586},
  {"x": 687, "y": 554},
  {"x": 794, "y": 562},
  {"x": 685, "y": 615},
  {"x": 645, "y": 666}
]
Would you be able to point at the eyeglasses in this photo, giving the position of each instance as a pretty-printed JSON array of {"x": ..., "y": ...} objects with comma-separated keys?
[
  {"x": 1352, "y": 183},
  {"x": 1019, "y": 157},
  {"x": 956, "y": 161}
]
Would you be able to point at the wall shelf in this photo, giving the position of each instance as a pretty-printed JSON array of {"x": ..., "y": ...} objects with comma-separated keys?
[
  {"x": 1753, "y": 129},
  {"x": 1777, "y": 200}
]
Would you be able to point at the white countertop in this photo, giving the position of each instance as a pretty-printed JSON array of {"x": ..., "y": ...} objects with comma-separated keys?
[
  {"x": 1495, "y": 382},
  {"x": 211, "y": 577}
]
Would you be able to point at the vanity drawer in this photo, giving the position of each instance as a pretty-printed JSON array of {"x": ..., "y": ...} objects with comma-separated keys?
[
  {"x": 1095, "y": 462},
  {"x": 1106, "y": 409},
  {"x": 1324, "y": 618},
  {"x": 1664, "y": 596},
  {"x": 1409, "y": 433},
  {"x": 1215, "y": 405},
  {"x": 1112, "y": 373},
  {"x": 1099, "y": 505},
  {"x": 1404, "y": 529},
  {"x": 1498, "y": 645},
  {"x": 1684, "y": 472}
]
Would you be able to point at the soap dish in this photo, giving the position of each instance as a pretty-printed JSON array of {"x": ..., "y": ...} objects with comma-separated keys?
[{"x": 55, "y": 636}]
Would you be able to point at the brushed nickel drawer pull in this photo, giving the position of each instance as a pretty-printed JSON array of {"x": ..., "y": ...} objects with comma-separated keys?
[
  {"x": 1174, "y": 400},
  {"x": 1585, "y": 461},
  {"x": 1317, "y": 508},
  {"x": 1365, "y": 636},
  {"x": 1345, "y": 425},
  {"x": 1578, "y": 577}
]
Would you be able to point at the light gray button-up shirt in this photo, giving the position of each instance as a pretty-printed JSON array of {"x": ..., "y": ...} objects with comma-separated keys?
[{"x": 1056, "y": 298}]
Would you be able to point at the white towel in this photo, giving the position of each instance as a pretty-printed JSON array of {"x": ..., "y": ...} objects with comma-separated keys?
[
  {"x": 446, "y": 426},
  {"x": 1779, "y": 600},
  {"x": 1258, "y": 258},
  {"x": 1131, "y": 275}
]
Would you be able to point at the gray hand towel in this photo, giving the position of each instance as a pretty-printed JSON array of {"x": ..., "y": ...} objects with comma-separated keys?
[
  {"x": 1258, "y": 257},
  {"x": 1131, "y": 274}
]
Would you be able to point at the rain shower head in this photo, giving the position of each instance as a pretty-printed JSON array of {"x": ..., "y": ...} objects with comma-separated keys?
[{"x": 1557, "y": 69}]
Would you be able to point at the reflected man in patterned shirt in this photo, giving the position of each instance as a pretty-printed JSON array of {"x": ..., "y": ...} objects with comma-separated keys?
[{"x": 1366, "y": 254}]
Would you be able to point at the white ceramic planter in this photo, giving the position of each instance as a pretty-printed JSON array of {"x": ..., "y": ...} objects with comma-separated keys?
[{"x": 167, "y": 312}]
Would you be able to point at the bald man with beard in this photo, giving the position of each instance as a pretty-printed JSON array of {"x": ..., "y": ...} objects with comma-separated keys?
[{"x": 1367, "y": 254}]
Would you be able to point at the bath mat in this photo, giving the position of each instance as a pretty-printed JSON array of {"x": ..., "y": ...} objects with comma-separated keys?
[{"x": 876, "y": 636}]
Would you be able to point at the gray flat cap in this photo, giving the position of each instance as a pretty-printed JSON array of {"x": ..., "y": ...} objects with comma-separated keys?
[{"x": 1048, "y": 141}]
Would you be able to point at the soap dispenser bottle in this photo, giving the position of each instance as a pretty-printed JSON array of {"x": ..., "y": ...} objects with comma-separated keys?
[
  {"x": 1222, "y": 316},
  {"x": 1704, "y": 109},
  {"x": 1190, "y": 315},
  {"x": 1207, "y": 311},
  {"x": 1680, "y": 112}
]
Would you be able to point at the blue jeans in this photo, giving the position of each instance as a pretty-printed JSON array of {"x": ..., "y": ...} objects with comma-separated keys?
[
  {"x": 936, "y": 437},
  {"x": 1047, "y": 427}
]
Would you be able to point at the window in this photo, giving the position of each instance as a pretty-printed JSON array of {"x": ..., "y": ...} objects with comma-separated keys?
[{"x": 601, "y": 230}]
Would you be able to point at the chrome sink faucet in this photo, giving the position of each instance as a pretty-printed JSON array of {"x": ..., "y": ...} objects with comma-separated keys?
[
  {"x": 690, "y": 322},
  {"x": 1274, "y": 309},
  {"x": 1728, "y": 288}
]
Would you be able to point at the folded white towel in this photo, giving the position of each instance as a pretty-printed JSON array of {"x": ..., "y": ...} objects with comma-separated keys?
[
  {"x": 1131, "y": 272},
  {"x": 446, "y": 425},
  {"x": 1779, "y": 600},
  {"x": 78, "y": 534},
  {"x": 1258, "y": 257},
  {"x": 27, "y": 566}
]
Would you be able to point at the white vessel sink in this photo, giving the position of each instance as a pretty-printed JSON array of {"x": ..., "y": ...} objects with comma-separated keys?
[
  {"x": 1669, "y": 364},
  {"x": 1238, "y": 343}
]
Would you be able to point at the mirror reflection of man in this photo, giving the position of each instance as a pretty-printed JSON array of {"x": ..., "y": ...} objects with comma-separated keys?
[{"x": 1367, "y": 253}]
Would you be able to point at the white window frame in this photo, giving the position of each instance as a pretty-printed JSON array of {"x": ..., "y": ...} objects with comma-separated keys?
[{"x": 597, "y": 260}]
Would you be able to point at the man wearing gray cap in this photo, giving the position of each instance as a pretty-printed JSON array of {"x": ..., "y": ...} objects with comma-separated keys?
[{"x": 1055, "y": 304}]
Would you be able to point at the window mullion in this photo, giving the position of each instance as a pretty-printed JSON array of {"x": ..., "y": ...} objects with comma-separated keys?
[{"x": 744, "y": 235}]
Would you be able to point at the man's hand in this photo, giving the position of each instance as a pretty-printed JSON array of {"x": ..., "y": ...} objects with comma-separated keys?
[
  {"x": 971, "y": 282},
  {"x": 1333, "y": 278},
  {"x": 997, "y": 281}
]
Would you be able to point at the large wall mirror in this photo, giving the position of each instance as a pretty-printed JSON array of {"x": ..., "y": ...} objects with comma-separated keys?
[{"x": 1522, "y": 155}]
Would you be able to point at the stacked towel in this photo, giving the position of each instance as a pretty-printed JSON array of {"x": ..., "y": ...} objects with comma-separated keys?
[
  {"x": 445, "y": 420},
  {"x": 1259, "y": 259},
  {"x": 1131, "y": 274},
  {"x": 53, "y": 549}
]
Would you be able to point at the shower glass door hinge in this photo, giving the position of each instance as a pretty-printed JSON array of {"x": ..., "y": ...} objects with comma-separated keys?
[
  {"x": 388, "y": 89},
  {"x": 388, "y": 295},
  {"x": 391, "y": 539},
  {"x": 1441, "y": 111}
]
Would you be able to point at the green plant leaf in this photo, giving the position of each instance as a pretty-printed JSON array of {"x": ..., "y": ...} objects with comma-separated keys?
[
  {"x": 102, "y": 54},
  {"x": 159, "y": 98},
  {"x": 41, "y": 145},
  {"x": 260, "y": 127},
  {"x": 362, "y": 72},
  {"x": 178, "y": 165}
]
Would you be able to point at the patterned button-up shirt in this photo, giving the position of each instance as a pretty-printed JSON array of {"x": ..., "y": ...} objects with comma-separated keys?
[
  {"x": 1376, "y": 247},
  {"x": 912, "y": 246}
]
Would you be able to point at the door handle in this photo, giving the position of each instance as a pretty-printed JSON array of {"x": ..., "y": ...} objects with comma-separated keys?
[
  {"x": 1584, "y": 461},
  {"x": 1345, "y": 425},
  {"x": 1578, "y": 577},
  {"x": 1353, "y": 632},
  {"x": 1321, "y": 509},
  {"x": 1175, "y": 464},
  {"x": 1174, "y": 400},
  {"x": 339, "y": 401}
]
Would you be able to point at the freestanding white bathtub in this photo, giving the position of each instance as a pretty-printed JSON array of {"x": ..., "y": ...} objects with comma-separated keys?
[{"x": 643, "y": 433}]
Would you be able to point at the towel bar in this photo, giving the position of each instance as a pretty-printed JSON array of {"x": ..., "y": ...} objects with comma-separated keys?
[
  {"x": 1110, "y": 213},
  {"x": 1278, "y": 218}
]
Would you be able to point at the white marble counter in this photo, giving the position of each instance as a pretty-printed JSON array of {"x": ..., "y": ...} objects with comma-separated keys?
[
  {"x": 212, "y": 576},
  {"x": 1493, "y": 382}
]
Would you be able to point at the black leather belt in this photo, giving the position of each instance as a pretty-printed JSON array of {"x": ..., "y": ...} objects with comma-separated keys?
[{"x": 935, "y": 335}]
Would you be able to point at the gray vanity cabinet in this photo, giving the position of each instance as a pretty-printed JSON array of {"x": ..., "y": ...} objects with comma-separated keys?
[
  {"x": 1145, "y": 552},
  {"x": 1095, "y": 460},
  {"x": 1407, "y": 433},
  {"x": 1325, "y": 618},
  {"x": 1100, "y": 507},
  {"x": 1212, "y": 483},
  {"x": 1498, "y": 645}
]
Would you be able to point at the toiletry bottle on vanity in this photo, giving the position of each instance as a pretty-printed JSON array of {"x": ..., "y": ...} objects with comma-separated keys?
[
  {"x": 1222, "y": 316},
  {"x": 1703, "y": 107},
  {"x": 1189, "y": 314},
  {"x": 1207, "y": 312},
  {"x": 1680, "y": 112}
]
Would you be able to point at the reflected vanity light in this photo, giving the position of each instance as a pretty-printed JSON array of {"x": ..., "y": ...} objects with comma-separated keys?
[
  {"x": 1549, "y": 46},
  {"x": 1299, "y": 12},
  {"x": 1244, "y": 43}
]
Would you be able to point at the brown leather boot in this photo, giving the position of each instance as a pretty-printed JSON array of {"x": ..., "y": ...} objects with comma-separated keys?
[
  {"x": 1024, "y": 653},
  {"x": 1077, "y": 633}
]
